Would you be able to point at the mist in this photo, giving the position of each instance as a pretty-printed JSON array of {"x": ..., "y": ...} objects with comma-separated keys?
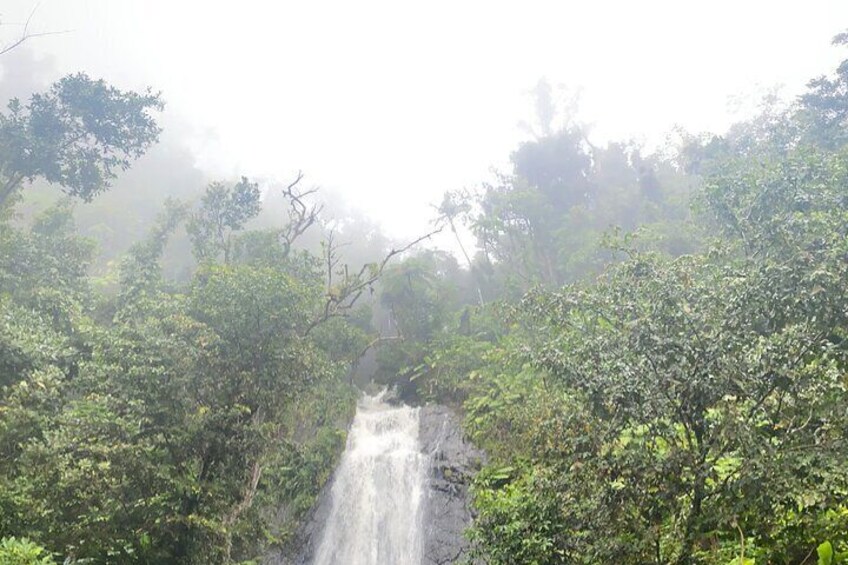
[{"x": 391, "y": 107}]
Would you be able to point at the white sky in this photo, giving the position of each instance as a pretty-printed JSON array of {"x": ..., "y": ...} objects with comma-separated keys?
[{"x": 392, "y": 103}]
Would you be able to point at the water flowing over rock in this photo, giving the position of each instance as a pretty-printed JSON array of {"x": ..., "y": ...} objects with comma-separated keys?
[
  {"x": 399, "y": 495},
  {"x": 378, "y": 493}
]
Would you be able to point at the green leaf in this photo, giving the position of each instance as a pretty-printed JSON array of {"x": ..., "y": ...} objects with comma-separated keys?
[{"x": 825, "y": 552}]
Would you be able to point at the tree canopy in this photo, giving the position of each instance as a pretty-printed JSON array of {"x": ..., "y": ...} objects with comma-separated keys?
[{"x": 77, "y": 135}]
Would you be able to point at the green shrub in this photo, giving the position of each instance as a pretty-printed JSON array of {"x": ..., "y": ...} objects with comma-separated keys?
[{"x": 21, "y": 551}]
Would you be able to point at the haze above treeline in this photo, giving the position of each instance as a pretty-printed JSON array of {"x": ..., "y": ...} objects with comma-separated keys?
[{"x": 389, "y": 107}]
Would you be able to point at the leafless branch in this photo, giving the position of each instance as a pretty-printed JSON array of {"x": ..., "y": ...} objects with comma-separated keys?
[
  {"x": 332, "y": 258},
  {"x": 301, "y": 216},
  {"x": 26, "y": 34},
  {"x": 378, "y": 341},
  {"x": 344, "y": 295}
]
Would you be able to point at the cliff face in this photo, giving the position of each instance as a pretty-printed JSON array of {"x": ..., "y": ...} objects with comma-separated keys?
[{"x": 453, "y": 463}]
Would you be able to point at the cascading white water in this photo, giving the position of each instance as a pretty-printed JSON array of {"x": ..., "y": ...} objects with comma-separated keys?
[{"x": 377, "y": 498}]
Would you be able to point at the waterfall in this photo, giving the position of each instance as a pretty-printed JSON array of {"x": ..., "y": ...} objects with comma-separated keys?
[{"x": 378, "y": 494}]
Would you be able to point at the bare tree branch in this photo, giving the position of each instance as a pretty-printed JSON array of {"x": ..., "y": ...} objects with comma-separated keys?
[
  {"x": 342, "y": 297},
  {"x": 380, "y": 339},
  {"x": 301, "y": 216},
  {"x": 26, "y": 34}
]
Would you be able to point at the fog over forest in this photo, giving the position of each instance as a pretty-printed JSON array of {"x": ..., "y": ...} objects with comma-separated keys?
[
  {"x": 382, "y": 283},
  {"x": 391, "y": 106}
]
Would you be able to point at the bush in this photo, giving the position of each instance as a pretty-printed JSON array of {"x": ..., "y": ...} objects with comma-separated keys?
[{"x": 21, "y": 551}]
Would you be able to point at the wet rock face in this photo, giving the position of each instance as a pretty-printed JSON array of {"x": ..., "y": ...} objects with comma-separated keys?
[{"x": 453, "y": 463}]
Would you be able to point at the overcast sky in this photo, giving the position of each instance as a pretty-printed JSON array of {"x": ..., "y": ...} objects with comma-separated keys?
[{"x": 394, "y": 102}]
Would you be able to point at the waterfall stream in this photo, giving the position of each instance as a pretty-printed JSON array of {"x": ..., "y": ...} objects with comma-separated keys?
[{"x": 378, "y": 494}]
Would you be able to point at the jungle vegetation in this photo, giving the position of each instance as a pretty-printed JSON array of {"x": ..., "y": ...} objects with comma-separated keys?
[{"x": 651, "y": 347}]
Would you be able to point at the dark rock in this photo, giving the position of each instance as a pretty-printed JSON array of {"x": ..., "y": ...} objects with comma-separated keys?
[
  {"x": 393, "y": 397},
  {"x": 453, "y": 463}
]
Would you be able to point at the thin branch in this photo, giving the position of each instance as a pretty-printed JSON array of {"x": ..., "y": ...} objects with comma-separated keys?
[
  {"x": 301, "y": 215},
  {"x": 26, "y": 35},
  {"x": 343, "y": 297},
  {"x": 378, "y": 341}
]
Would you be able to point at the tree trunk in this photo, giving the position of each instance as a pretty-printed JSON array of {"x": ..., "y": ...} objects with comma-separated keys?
[
  {"x": 9, "y": 188},
  {"x": 690, "y": 530}
]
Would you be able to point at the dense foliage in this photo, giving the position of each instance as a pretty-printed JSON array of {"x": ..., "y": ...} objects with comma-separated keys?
[
  {"x": 652, "y": 349},
  {"x": 683, "y": 398},
  {"x": 163, "y": 422}
]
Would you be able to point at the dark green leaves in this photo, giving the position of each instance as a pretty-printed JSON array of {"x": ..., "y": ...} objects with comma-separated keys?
[{"x": 78, "y": 135}]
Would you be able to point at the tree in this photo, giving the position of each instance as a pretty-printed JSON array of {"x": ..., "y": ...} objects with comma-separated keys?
[
  {"x": 223, "y": 210},
  {"x": 700, "y": 397},
  {"x": 77, "y": 135},
  {"x": 455, "y": 206},
  {"x": 826, "y": 103},
  {"x": 544, "y": 223}
]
